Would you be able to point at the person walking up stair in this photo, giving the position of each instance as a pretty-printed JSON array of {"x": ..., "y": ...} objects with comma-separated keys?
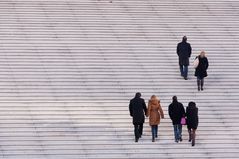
[
  {"x": 184, "y": 51},
  {"x": 201, "y": 70},
  {"x": 176, "y": 111},
  {"x": 155, "y": 112},
  {"x": 138, "y": 110},
  {"x": 192, "y": 121}
]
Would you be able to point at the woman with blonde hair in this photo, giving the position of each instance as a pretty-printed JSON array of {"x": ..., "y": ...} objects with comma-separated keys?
[
  {"x": 201, "y": 69},
  {"x": 155, "y": 112}
]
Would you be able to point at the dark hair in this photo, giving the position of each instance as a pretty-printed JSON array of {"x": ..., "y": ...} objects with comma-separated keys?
[
  {"x": 185, "y": 39},
  {"x": 175, "y": 99},
  {"x": 192, "y": 104},
  {"x": 138, "y": 95}
]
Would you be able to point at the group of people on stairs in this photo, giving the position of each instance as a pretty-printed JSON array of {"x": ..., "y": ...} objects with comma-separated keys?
[
  {"x": 200, "y": 63},
  {"x": 138, "y": 109}
]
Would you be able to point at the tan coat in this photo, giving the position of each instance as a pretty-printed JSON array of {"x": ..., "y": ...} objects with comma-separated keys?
[{"x": 155, "y": 112}]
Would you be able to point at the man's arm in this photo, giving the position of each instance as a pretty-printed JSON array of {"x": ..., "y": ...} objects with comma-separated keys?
[
  {"x": 130, "y": 109},
  {"x": 169, "y": 112},
  {"x": 183, "y": 110},
  {"x": 145, "y": 108},
  {"x": 149, "y": 107},
  {"x": 190, "y": 50},
  {"x": 207, "y": 64},
  {"x": 161, "y": 112},
  {"x": 178, "y": 49}
]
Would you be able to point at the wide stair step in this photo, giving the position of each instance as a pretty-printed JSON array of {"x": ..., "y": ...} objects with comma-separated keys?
[{"x": 68, "y": 69}]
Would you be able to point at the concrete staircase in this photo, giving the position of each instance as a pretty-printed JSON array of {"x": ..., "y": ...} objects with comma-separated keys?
[{"x": 69, "y": 67}]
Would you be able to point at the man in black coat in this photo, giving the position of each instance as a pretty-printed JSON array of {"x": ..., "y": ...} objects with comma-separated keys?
[
  {"x": 184, "y": 51},
  {"x": 176, "y": 111},
  {"x": 138, "y": 110}
]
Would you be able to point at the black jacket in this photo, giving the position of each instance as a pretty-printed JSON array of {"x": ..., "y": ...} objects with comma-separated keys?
[
  {"x": 137, "y": 109},
  {"x": 201, "y": 70},
  {"x": 184, "y": 51},
  {"x": 176, "y": 111},
  {"x": 192, "y": 117}
]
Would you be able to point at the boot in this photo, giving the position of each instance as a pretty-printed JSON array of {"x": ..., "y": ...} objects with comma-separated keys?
[
  {"x": 198, "y": 83},
  {"x": 202, "y": 83}
]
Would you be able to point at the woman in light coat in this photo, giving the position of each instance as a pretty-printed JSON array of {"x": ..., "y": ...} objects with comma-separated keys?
[{"x": 155, "y": 112}]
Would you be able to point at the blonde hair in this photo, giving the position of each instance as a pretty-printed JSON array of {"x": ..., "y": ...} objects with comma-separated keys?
[
  {"x": 203, "y": 53},
  {"x": 154, "y": 97}
]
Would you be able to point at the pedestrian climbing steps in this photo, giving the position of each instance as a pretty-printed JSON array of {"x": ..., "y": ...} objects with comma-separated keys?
[{"x": 68, "y": 69}]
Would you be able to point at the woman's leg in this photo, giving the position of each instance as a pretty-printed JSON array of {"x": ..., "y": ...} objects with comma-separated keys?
[
  {"x": 190, "y": 135},
  {"x": 153, "y": 133},
  {"x": 202, "y": 83},
  {"x": 198, "y": 83},
  {"x": 152, "y": 130},
  {"x": 193, "y": 136},
  {"x": 156, "y": 131}
]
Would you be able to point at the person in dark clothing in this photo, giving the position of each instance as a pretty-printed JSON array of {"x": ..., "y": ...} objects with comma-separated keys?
[
  {"x": 138, "y": 110},
  {"x": 184, "y": 51},
  {"x": 176, "y": 111},
  {"x": 192, "y": 121},
  {"x": 201, "y": 70}
]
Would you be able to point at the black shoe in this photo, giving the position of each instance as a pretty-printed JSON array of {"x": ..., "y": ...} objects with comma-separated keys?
[
  {"x": 198, "y": 88},
  {"x": 180, "y": 139},
  {"x": 185, "y": 78},
  {"x": 156, "y": 136},
  {"x": 176, "y": 141},
  {"x": 193, "y": 142},
  {"x": 153, "y": 139},
  {"x": 136, "y": 139},
  {"x": 202, "y": 88}
]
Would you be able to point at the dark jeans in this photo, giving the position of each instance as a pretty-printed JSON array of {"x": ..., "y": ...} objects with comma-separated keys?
[
  {"x": 138, "y": 130},
  {"x": 184, "y": 70},
  {"x": 154, "y": 129},
  {"x": 177, "y": 132}
]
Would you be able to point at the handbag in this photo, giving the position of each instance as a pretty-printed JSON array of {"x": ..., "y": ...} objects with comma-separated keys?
[
  {"x": 196, "y": 63},
  {"x": 183, "y": 121}
]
